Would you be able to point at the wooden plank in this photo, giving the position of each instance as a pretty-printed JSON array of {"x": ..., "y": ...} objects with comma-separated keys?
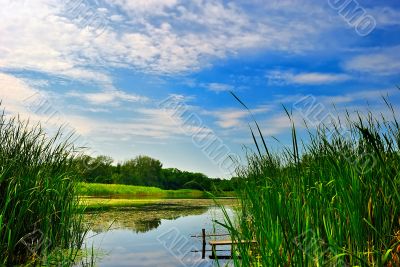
[
  {"x": 207, "y": 235},
  {"x": 203, "y": 254},
  {"x": 210, "y": 250},
  {"x": 222, "y": 257},
  {"x": 229, "y": 242}
]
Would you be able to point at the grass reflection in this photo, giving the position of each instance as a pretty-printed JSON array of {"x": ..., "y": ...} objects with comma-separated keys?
[{"x": 145, "y": 217}]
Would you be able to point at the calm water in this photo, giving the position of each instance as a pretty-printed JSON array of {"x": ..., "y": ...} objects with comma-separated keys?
[{"x": 154, "y": 235}]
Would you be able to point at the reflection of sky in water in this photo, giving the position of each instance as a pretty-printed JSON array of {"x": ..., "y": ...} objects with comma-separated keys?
[{"x": 169, "y": 244}]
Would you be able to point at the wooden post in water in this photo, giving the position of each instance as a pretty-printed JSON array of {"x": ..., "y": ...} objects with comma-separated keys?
[{"x": 203, "y": 252}]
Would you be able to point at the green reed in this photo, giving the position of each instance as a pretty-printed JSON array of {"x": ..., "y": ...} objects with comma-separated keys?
[
  {"x": 39, "y": 209},
  {"x": 330, "y": 200}
]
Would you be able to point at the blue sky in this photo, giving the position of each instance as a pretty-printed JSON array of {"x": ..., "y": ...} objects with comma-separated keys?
[{"x": 101, "y": 69}]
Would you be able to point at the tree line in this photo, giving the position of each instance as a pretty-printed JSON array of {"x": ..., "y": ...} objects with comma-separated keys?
[{"x": 145, "y": 171}]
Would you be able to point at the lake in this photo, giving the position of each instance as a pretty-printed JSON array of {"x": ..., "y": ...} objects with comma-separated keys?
[{"x": 156, "y": 234}]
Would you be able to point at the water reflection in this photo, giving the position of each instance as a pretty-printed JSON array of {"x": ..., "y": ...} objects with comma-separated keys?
[
  {"x": 140, "y": 236},
  {"x": 139, "y": 220}
]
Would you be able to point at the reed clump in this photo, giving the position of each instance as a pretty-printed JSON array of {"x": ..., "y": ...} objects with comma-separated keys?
[
  {"x": 330, "y": 200},
  {"x": 40, "y": 218}
]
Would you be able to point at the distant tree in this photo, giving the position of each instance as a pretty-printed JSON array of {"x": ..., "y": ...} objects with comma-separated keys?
[
  {"x": 197, "y": 181},
  {"x": 95, "y": 170},
  {"x": 128, "y": 173},
  {"x": 142, "y": 170},
  {"x": 175, "y": 179},
  {"x": 117, "y": 176},
  {"x": 172, "y": 178},
  {"x": 149, "y": 170},
  {"x": 145, "y": 171}
]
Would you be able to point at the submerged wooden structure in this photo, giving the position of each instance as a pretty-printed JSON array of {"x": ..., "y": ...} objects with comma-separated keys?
[{"x": 216, "y": 243}]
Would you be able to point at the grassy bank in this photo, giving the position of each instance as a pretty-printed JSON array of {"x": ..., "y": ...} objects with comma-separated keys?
[
  {"x": 141, "y": 192},
  {"x": 337, "y": 203},
  {"x": 106, "y": 196},
  {"x": 39, "y": 216},
  {"x": 100, "y": 204},
  {"x": 132, "y": 191}
]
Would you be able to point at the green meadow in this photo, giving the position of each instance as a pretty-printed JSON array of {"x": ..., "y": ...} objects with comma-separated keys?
[{"x": 132, "y": 191}]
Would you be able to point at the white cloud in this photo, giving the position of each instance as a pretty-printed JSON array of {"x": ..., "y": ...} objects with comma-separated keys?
[
  {"x": 167, "y": 37},
  {"x": 385, "y": 16},
  {"x": 90, "y": 109},
  {"x": 144, "y": 7},
  {"x": 343, "y": 99},
  {"x": 181, "y": 98},
  {"x": 309, "y": 78},
  {"x": 19, "y": 98},
  {"x": 14, "y": 93},
  {"x": 112, "y": 96},
  {"x": 278, "y": 124},
  {"x": 315, "y": 109},
  {"x": 117, "y": 18},
  {"x": 229, "y": 118},
  {"x": 37, "y": 106},
  {"x": 384, "y": 62},
  {"x": 147, "y": 125},
  {"x": 158, "y": 36},
  {"x": 319, "y": 78},
  {"x": 36, "y": 37},
  {"x": 219, "y": 87}
]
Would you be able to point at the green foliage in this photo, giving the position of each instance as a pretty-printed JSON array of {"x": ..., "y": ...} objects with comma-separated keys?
[
  {"x": 93, "y": 189},
  {"x": 175, "y": 179},
  {"x": 335, "y": 204},
  {"x": 94, "y": 170},
  {"x": 145, "y": 171},
  {"x": 142, "y": 170},
  {"x": 38, "y": 204}
]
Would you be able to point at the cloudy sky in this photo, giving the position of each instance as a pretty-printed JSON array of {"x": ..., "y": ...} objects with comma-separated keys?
[{"x": 108, "y": 70}]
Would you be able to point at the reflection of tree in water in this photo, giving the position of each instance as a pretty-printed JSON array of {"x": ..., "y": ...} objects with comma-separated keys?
[
  {"x": 143, "y": 226},
  {"x": 139, "y": 219}
]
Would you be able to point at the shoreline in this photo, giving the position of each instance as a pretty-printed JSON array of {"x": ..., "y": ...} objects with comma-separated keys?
[{"x": 98, "y": 204}]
